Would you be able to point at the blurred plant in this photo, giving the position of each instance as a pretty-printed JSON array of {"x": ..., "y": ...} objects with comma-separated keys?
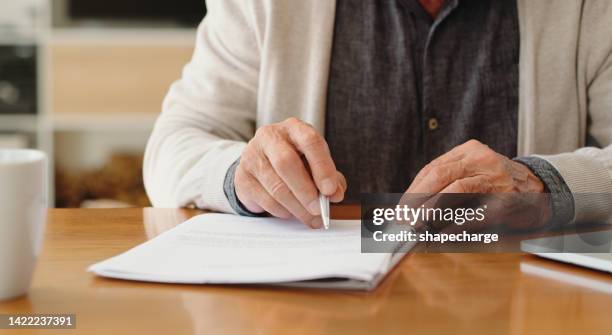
[{"x": 119, "y": 180}]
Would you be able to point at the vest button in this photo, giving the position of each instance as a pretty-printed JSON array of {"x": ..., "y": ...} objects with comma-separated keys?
[{"x": 432, "y": 123}]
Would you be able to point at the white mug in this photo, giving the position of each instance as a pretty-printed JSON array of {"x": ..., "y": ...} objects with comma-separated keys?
[{"x": 23, "y": 208}]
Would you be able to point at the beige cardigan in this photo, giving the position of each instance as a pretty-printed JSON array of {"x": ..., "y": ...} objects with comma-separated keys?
[{"x": 261, "y": 61}]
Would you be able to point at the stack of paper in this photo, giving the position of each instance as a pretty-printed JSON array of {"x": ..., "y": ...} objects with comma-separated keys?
[{"x": 228, "y": 249}]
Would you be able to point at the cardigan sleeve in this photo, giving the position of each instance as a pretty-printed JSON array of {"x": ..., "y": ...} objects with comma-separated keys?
[
  {"x": 588, "y": 171},
  {"x": 208, "y": 114}
]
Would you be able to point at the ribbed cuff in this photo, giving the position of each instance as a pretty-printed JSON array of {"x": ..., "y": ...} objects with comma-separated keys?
[
  {"x": 588, "y": 178},
  {"x": 561, "y": 199},
  {"x": 230, "y": 192}
]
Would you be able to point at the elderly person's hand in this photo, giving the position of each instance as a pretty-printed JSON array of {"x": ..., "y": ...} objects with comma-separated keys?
[
  {"x": 473, "y": 167},
  {"x": 283, "y": 169},
  {"x": 497, "y": 181}
]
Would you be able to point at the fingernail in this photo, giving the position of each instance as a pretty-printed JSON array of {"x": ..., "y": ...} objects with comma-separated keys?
[
  {"x": 316, "y": 222},
  {"x": 328, "y": 186},
  {"x": 315, "y": 207}
]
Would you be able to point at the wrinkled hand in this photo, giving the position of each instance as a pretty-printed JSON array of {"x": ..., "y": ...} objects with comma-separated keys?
[
  {"x": 272, "y": 175},
  {"x": 473, "y": 167},
  {"x": 511, "y": 191}
]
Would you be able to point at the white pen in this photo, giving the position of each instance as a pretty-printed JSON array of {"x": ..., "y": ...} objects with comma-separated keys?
[{"x": 324, "y": 202}]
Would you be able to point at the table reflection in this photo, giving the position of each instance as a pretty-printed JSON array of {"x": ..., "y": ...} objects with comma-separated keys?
[
  {"x": 421, "y": 292},
  {"x": 268, "y": 310},
  {"x": 435, "y": 279},
  {"x": 579, "y": 294}
]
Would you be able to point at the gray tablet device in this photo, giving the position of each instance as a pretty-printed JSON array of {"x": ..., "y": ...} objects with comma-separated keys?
[{"x": 592, "y": 250}]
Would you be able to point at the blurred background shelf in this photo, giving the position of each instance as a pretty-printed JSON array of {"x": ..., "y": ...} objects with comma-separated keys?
[
  {"x": 96, "y": 122},
  {"x": 101, "y": 71},
  {"x": 99, "y": 35},
  {"x": 25, "y": 123},
  {"x": 100, "y": 76},
  {"x": 12, "y": 40}
]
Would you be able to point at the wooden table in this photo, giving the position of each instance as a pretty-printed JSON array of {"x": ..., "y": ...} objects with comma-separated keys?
[{"x": 427, "y": 293}]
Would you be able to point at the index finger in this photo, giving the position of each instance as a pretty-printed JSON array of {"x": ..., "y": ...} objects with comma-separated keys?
[
  {"x": 317, "y": 154},
  {"x": 440, "y": 176},
  {"x": 452, "y": 156}
]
